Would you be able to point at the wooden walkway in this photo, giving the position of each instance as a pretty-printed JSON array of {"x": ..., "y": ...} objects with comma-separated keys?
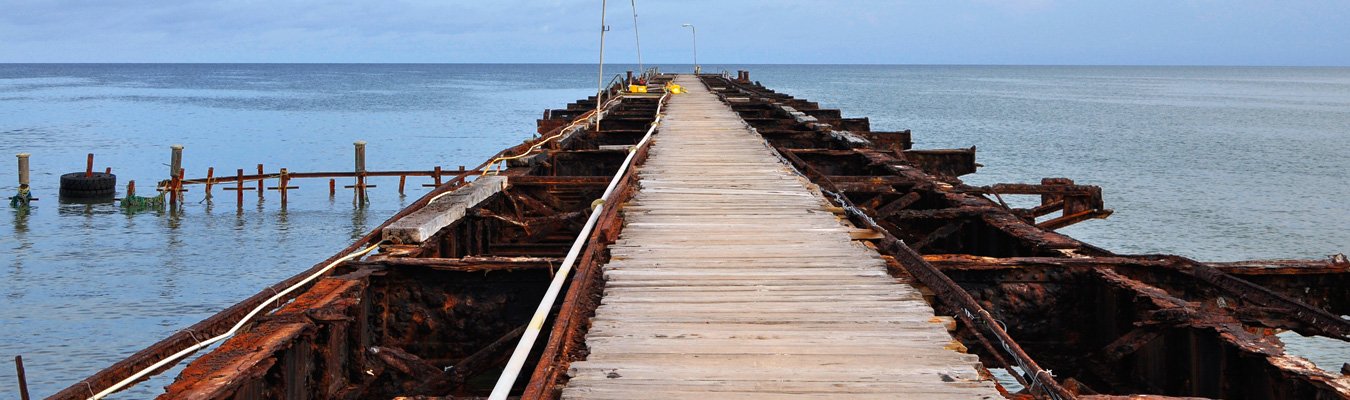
[{"x": 732, "y": 280}]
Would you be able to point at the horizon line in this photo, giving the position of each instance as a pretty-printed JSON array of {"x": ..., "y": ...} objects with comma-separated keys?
[{"x": 677, "y": 64}]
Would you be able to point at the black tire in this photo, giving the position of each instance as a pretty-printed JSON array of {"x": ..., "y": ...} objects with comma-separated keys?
[
  {"x": 76, "y": 185},
  {"x": 87, "y": 194}
]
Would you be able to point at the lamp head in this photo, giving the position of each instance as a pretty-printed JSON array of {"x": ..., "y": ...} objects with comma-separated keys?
[{"x": 687, "y": 25}]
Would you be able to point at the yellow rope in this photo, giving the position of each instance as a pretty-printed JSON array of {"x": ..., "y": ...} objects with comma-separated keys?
[{"x": 493, "y": 166}]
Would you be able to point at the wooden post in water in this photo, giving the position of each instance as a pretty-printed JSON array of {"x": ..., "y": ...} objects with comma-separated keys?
[
  {"x": 23, "y": 170},
  {"x": 239, "y": 188},
  {"x": 402, "y": 179},
  {"x": 178, "y": 185},
  {"x": 260, "y": 181},
  {"x": 131, "y": 189},
  {"x": 285, "y": 180},
  {"x": 89, "y": 166},
  {"x": 332, "y": 187},
  {"x": 210, "y": 179},
  {"x": 175, "y": 172},
  {"x": 360, "y": 171}
]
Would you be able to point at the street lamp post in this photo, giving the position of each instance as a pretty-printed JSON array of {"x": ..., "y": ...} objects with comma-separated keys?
[{"x": 694, "y": 30}]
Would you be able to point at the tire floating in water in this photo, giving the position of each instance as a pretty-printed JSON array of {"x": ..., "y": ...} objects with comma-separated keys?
[{"x": 76, "y": 185}]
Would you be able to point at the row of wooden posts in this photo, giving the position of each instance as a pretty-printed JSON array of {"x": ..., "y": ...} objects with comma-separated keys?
[
  {"x": 284, "y": 178},
  {"x": 175, "y": 185}
]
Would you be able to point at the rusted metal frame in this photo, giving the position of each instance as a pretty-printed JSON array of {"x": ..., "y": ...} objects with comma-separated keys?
[
  {"x": 940, "y": 233},
  {"x": 996, "y": 216},
  {"x": 1071, "y": 219},
  {"x": 535, "y": 198},
  {"x": 428, "y": 378},
  {"x": 953, "y": 294},
  {"x": 1041, "y": 210},
  {"x": 942, "y": 285},
  {"x": 1172, "y": 312},
  {"x": 465, "y": 264},
  {"x": 405, "y": 362},
  {"x": 1039, "y": 189},
  {"x": 475, "y": 363},
  {"x": 898, "y": 205},
  {"x": 559, "y": 181},
  {"x": 1129, "y": 343},
  {"x": 1320, "y": 321},
  {"x": 943, "y": 213},
  {"x": 999, "y": 221},
  {"x": 1282, "y": 267},
  {"x": 252, "y": 354},
  {"x": 1248, "y": 267},
  {"x": 571, "y": 323},
  {"x": 222, "y": 321}
]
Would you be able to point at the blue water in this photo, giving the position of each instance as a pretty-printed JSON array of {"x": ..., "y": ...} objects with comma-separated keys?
[{"x": 1214, "y": 163}]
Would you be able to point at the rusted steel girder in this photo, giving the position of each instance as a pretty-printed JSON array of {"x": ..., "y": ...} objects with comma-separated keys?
[
  {"x": 295, "y": 347},
  {"x": 1151, "y": 325}
]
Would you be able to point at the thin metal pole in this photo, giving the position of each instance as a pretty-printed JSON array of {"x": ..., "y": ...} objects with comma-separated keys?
[
  {"x": 694, "y": 31},
  {"x": 600, "y": 79},
  {"x": 637, "y": 37}
]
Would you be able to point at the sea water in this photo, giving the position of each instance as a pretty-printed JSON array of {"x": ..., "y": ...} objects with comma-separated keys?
[{"x": 1213, "y": 163}]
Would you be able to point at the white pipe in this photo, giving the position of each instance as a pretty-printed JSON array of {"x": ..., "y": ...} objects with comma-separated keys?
[
  {"x": 261, "y": 306},
  {"x": 527, "y": 339}
]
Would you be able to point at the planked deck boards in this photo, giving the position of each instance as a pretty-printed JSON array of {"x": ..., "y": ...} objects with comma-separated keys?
[{"x": 731, "y": 280}]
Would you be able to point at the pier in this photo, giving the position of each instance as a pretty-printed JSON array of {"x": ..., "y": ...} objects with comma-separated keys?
[
  {"x": 733, "y": 279},
  {"x": 736, "y": 242}
]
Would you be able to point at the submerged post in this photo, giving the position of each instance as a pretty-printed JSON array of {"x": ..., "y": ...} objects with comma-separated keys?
[
  {"x": 360, "y": 170},
  {"x": 23, "y": 170},
  {"x": 239, "y": 187},
  {"x": 175, "y": 172},
  {"x": 24, "y": 196},
  {"x": 210, "y": 179},
  {"x": 178, "y": 186},
  {"x": 261, "y": 179},
  {"x": 285, "y": 180}
]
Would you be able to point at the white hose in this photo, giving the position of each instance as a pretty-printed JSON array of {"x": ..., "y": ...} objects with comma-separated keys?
[
  {"x": 261, "y": 306},
  {"x": 527, "y": 339}
]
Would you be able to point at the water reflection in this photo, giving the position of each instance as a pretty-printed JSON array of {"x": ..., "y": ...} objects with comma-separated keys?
[
  {"x": 21, "y": 221},
  {"x": 359, "y": 219}
]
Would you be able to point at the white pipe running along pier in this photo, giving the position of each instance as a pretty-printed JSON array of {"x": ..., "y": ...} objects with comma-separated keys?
[{"x": 531, "y": 334}]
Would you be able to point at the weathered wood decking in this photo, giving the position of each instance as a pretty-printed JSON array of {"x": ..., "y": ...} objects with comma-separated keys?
[{"x": 732, "y": 279}]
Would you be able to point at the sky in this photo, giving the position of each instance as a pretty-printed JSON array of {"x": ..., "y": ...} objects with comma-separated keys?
[{"x": 1037, "y": 32}]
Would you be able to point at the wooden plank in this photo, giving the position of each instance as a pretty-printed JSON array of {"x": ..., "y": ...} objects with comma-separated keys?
[
  {"x": 421, "y": 225},
  {"x": 733, "y": 277}
]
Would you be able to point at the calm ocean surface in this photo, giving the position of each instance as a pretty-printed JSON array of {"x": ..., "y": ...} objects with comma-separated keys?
[{"x": 1214, "y": 163}]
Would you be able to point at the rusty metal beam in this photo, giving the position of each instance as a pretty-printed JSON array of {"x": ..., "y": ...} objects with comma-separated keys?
[{"x": 466, "y": 264}]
